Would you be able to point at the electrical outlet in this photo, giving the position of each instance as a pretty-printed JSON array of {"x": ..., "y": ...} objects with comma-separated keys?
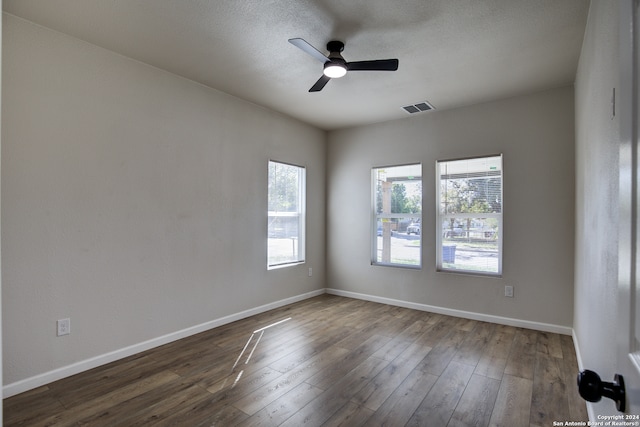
[
  {"x": 64, "y": 327},
  {"x": 310, "y": 271},
  {"x": 508, "y": 291}
]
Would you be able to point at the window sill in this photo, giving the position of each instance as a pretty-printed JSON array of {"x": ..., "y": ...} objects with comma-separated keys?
[
  {"x": 281, "y": 266},
  {"x": 470, "y": 273},
  {"x": 410, "y": 267}
]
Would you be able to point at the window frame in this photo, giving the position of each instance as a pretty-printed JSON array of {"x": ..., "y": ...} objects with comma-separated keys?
[
  {"x": 440, "y": 217},
  {"x": 375, "y": 217},
  {"x": 300, "y": 213}
]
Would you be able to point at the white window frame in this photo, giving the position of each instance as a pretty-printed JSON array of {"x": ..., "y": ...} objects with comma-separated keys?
[
  {"x": 298, "y": 242},
  {"x": 382, "y": 217},
  {"x": 440, "y": 217}
]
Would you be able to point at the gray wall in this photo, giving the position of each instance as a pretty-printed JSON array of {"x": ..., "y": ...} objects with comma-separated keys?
[
  {"x": 536, "y": 136},
  {"x": 597, "y": 169},
  {"x": 134, "y": 202}
]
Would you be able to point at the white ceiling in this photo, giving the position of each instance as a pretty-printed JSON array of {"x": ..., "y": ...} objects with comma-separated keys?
[{"x": 452, "y": 52}]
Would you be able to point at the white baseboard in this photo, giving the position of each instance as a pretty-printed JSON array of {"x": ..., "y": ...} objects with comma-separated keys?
[
  {"x": 577, "y": 347},
  {"x": 84, "y": 365},
  {"x": 538, "y": 326},
  {"x": 590, "y": 410}
]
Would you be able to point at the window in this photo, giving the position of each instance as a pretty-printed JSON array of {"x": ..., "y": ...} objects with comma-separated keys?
[
  {"x": 286, "y": 213},
  {"x": 470, "y": 215},
  {"x": 397, "y": 216}
]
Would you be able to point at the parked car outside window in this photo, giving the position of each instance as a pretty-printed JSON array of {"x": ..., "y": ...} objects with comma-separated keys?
[{"x": 413, "y": 228}]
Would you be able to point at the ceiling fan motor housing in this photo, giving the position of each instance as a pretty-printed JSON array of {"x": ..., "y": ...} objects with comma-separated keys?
[{"x": 335, "y": 46}]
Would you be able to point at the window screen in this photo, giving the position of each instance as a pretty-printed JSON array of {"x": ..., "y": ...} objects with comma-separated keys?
[
  {"x": 470, "y": 215},
  {"x": 397, "y": 216},
  {"x": 286, "y": 214}
]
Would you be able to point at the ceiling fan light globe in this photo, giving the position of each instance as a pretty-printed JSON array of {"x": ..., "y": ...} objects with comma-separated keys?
[{"x": 334, "y": 71}]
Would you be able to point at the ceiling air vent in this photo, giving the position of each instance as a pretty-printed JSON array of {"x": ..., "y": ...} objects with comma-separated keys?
[{"x": 416, "y": 108}]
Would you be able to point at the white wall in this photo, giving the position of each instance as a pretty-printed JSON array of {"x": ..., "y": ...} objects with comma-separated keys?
[
  {"x": 597, "y": 169},
  {"x": 536, "y": 136},
  {"x": 133, "y": 202}
]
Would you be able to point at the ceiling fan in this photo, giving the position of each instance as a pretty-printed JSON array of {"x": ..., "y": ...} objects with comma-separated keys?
[{"x": 334, "y": 64}]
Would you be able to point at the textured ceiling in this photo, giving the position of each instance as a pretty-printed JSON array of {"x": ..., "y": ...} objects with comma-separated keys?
[{"x": 452, "y": 52}]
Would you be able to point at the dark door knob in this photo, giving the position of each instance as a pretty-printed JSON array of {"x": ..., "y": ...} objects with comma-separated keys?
[{"x": 592, "y": 388}]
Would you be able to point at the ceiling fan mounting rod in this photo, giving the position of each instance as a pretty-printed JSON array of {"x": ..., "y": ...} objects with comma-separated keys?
[{"x": 335, "y": 46}]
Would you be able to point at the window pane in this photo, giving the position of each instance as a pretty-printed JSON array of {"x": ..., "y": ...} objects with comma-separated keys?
[
  {"x": 470, "y": 244},
  {"x": 400, "y": 247},
  {"x": 470, "y": 211},
  {"x": 397, "y": 215},
  {"x": 285, "y": 214},
  {"x": 473, "y": 185}
]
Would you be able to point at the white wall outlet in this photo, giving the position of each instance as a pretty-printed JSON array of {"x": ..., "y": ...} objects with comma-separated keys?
[
  {"x": 508, "y": 291},
  {"x": 310, "y": 271},
  {"x": 64, "y": 327}
]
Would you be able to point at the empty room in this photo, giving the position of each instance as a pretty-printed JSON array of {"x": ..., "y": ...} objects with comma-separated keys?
[{"x": 319, "y": 212}]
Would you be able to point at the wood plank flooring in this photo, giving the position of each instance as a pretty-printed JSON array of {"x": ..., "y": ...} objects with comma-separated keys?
[{"x": 335, "y": 362}]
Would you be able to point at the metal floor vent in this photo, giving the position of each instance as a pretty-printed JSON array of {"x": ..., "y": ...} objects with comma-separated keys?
[{"x": 416, "y": 108}]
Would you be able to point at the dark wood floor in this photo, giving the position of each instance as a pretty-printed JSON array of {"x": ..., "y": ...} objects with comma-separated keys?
[{"x": 335, "y": 362}]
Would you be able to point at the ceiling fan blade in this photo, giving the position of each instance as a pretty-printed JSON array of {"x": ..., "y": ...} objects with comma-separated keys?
[
  {"x": 300, "y": 43},
  {"x": 375, "y": 65},
  {"x": 322, "y": 81}
]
